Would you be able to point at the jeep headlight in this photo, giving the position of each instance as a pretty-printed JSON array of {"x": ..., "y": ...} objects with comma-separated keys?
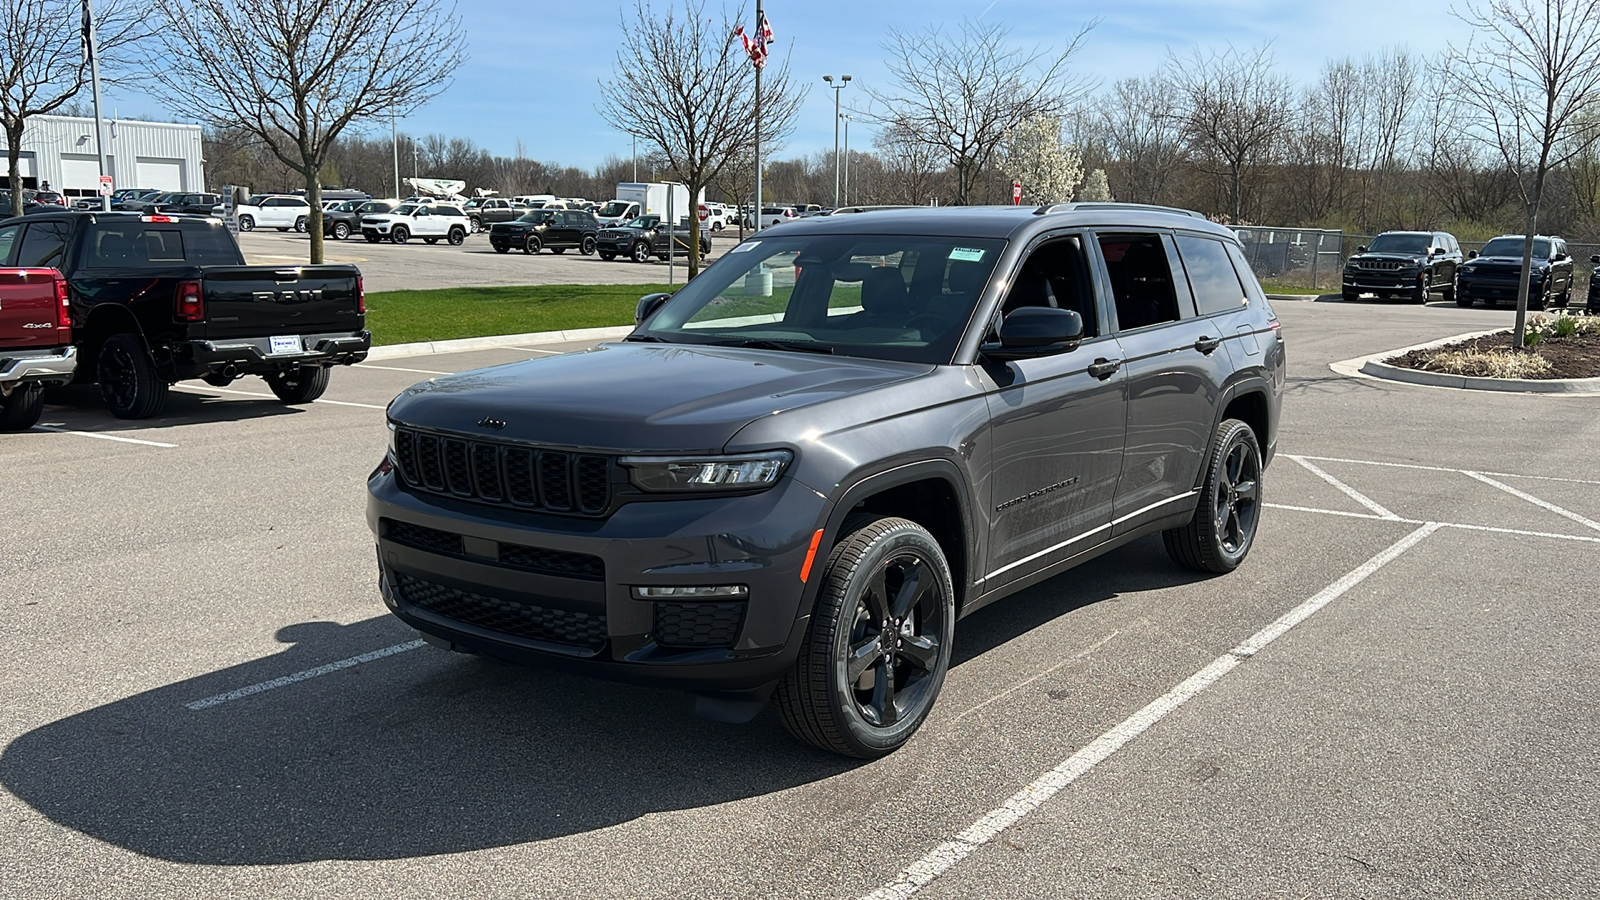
[{"x": 662, "y": 474}]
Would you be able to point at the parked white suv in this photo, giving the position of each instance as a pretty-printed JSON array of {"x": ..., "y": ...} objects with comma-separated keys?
[
  {"x": 716, "y": 217},
  {"x": 429, "y": 221},
  {"x": 772, "y": 215},
  {"x": 282, "y": 213}
]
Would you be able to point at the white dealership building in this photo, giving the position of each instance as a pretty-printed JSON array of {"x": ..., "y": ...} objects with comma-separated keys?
[{"x": 60, "y": 151}]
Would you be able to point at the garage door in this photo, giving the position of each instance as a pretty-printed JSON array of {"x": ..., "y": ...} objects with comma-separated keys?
[
  {"x": 79, "y": 172},
  {"x": 159, "y": 174}
]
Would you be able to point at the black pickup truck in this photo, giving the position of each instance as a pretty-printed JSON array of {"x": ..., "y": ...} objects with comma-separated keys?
[{"x": 156, "y": 299}]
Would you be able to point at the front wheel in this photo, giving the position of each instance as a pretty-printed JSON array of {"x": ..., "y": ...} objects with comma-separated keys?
[
  {"x": 300, "y": 386},
  {"x": 340, "y": 231},
  {"x": 1224, "y": 524},
  {"x": 1351, "y": 296},
  {"x": 878, "y": 647},
  {"x": 531, "y": 245},
  {"x": 300, "y": 224},
  {"x": 641, "y": 252},
  {"x": 128, "y": 379},
  {"x": 587, "y": 247},
  {"x": 399, "y": 234},
  {"x": 456, "y": 237},
  {"x": 1423, "y": 287},
  {"x": 22, "y": 409},
  {"x": 247, "y": 223}
]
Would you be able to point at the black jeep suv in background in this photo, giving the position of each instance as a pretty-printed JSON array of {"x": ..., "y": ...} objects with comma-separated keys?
[
  {"x": 800, "y": 470},
  {"x": 647, "y": 236},
  {"x": 558, "y": 229},
  {"x": 1410, "y": 264},
  {"x": 1492, "y": 275}
]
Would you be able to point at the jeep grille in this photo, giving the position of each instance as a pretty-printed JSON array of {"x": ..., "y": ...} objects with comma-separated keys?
[{"x": 504, "y": 474}]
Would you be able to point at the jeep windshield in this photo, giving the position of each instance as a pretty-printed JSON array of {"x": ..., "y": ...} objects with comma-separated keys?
[
  {"x": 1400, "y": 243},
  {"x": 898, "y": 297},
  {"x": 536, "y": 216},
  {"x": 1512, "y": 246},
  {"x": 644, "y": 222}
]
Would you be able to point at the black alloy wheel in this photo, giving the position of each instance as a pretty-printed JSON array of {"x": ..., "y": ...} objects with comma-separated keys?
[
  {"x": 641, "y": 251},
  {"x": 532, "y": 244},
  {"x": 456, "y": 237},
  {"x": 129, "y": 383},
  {"x": 878, "y": 647},
  {"x": 587, "y": 247},
  {"x": 340, "y": 231},
  {"x": 1224, "y": 526},
  {"x": 399, "y": 234}
]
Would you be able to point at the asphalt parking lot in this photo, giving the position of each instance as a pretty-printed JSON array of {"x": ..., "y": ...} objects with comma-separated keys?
[
  {"x": 1395, "y": 696},
  {"x": 415, "y": 265}
]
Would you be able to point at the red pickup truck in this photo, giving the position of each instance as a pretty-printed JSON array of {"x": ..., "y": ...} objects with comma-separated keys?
[{"x": 35, "y": 343}]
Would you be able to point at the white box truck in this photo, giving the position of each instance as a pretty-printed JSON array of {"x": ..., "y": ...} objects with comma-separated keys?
[{"x": 649, "y": 198}]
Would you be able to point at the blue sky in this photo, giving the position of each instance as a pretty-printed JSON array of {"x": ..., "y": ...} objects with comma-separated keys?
[{"x": 533, "y": 66}]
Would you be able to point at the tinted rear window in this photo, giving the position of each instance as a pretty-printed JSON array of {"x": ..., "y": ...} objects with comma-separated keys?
[{"x": 159, "y": 244}]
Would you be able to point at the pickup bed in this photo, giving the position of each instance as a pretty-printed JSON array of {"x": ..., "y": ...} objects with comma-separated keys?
[
  {"x": 35, "y": 343},
  {"x": 157, "y": 299}
]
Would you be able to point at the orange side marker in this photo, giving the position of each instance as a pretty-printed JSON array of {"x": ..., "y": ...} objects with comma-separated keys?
[{"x": 811, "y": 554}]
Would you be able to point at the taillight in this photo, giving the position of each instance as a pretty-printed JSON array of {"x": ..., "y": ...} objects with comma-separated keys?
[
  {"x": 167, "y": 219},
  {"x": 64, "y": 307},
  {"x": 189, "y": 303},
  {"x": 361, "y": 295}
]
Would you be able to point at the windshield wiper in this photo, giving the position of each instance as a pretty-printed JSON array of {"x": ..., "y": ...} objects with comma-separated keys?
[
  {"x": 646, "y": 339},
  {"x": 770, "y": 344}
]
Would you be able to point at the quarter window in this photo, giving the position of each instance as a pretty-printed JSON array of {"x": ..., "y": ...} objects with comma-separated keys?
[
  {"x": 42, "y": 244},
  {"x": 1141, "y": 280},
  {"x": 8, "y": 240},
  {"x": 1216, "y": 285}
]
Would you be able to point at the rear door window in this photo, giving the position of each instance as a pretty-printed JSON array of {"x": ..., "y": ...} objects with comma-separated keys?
[
  {"x": 42, "y": 244},
  {"x": 8, "y": 242},
  {"x": 1141, "y": 279}
]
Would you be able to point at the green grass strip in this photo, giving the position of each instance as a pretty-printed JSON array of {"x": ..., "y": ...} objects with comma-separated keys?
[{"x": 403, "y": 317}]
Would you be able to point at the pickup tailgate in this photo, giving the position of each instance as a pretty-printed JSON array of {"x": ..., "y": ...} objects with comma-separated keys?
[
  {"x": 260, "y": 301},
  {"x": 30, "y": 309}
]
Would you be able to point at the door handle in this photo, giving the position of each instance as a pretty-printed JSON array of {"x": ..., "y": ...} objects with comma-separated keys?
[
  {"x": 1103, "y": 368},
  {"x": 1207, "y": 343}
]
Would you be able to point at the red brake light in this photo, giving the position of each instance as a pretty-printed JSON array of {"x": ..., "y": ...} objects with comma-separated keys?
[
  {"x": 64, "y": 309},
  {"x": 159, "y": 219},
  {"x": 361, "y": 295},
  {"x": 189, "y": 303}
]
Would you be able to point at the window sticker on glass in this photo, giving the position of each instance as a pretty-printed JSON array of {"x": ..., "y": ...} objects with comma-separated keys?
[
  {"x": 747, "y": 245},
  {"x": 966, "y": 254}
]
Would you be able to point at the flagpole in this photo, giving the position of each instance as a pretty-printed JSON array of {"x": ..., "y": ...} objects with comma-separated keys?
[
  {"x": 94, "y": 78},
  {"x": 756, "y": 209}
]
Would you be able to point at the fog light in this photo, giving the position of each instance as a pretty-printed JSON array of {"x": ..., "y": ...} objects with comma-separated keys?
[{"x": 707, "y": 592}]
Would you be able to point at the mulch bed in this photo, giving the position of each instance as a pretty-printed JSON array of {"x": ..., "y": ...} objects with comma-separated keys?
[{"x": 1576, "y": 356}]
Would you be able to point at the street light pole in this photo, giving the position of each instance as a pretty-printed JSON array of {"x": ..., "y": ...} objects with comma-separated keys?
[
  {"x": 846, "y": 158},
  {"x": 843, "y": 80},
  {"x": 394, "y": 134}
]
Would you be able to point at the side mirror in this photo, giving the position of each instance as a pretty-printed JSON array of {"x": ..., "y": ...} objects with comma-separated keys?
[
  {"x": 1472, "y": 254},
  {"x": 1361, "y": 249},
  {"x": 648, "y": 304},
  {"x": 1036, "y": 331},
  {"x": 1558, "y": 257}
]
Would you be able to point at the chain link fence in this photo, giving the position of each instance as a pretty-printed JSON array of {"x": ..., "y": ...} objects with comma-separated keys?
[{"x": 1293, "y": 258}]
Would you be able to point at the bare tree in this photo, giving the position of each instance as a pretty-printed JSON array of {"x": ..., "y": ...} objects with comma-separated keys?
[
  {"x": 46, "y": 64},
  {"x": 684, "y": 86},
  {"x": 1144, "y": 137},
  {"x": 959, "y": 93},
  {"x": 911, "y": 167},
  {"x": 1526, "y": 86},
  {"x": 294, "y": 74},
  {"x": 1234, "y": 110}
]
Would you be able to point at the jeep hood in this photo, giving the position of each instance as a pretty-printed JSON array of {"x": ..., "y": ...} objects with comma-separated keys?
[{"x": 639, "y": 397}]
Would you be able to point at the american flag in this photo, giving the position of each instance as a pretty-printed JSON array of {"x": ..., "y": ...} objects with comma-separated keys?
[{"x": 757, "y": 47}]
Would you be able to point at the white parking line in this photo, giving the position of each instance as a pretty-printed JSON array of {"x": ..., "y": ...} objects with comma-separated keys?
[
  {"x": 941, "y": 858},
  {"x": 1521, "y": 532},
  {"x": 103, "y": 437},
  {"x": 537, "y": 350},
  {"x": 1346, "y": 489},
  {"x": 217, "y": 390},
  {"x": 297, "y": 677},
  {"x": 1587, "y": 523},
  {"x": 398, "y": 369},
  {"x": 1368, "y": 462}
]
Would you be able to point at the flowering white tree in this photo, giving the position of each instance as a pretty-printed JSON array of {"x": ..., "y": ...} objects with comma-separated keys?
[
  {"x": 1095, "y": 187},
  {"x": 1034, "y": 154}
]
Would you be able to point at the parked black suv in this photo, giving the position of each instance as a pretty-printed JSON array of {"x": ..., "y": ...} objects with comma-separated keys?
[
  {"x": 1410, "y": 264},
  {"x": 646, "y": 236},
  {"x": 345, "y": 219},
  {"x": 558, "y": 229},
  {"x": 799, "y": 485},
  {"x": 1493, "y": 273},
  {"x": 186, "y": 204}
]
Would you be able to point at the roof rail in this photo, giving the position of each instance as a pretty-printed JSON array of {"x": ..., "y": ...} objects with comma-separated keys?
[{"x": 1065, "y": 207}]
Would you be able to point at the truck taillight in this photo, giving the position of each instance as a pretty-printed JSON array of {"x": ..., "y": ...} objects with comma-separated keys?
[
  {"x": 361, "y": 295},
  {"x": 189, "y": 303},
  {"x": 64, "y": 306}
]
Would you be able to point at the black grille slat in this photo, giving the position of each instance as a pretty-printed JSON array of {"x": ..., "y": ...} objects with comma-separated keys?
[
  {"x": 555, "y": 480},
  {"x": 423, "y": 537},
  {"x": 504, "y": 473},
  {"x": 524, "y": 620},
  {"x": 554, "y": 562},
  {"x": 698, "y": 624}
]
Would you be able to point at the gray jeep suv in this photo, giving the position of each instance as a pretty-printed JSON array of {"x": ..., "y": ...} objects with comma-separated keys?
[{"x": 801, "y": 469}]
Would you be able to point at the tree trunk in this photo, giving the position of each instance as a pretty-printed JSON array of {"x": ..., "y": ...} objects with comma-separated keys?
[
  {"x": 1530, "y": 229},
  {"x": 694, "y": 227},
  {"x": 14, "y": 164},
  {"x": 314, "y": 219}
]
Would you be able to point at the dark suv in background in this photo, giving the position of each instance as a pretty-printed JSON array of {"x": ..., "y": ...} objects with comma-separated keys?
[
  {"x": 796, "y": 487},
  {"x": 1410, "y": 264},
  {"x": 557, "y": 229},
  {"x": 345, "y": 219},
  {"x": 1492, "y": 275}
]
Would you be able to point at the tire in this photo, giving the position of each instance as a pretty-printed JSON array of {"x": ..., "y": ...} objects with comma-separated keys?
[
  {"x": 430, "y": 241},
  {"x": 128, "y": 380},
  {"x": 1424, "y": 287},
  {"x": 1351, "y": 296},
  {"x": 475, "y": 224},
  {"x": 22, "y": 409},
  {"x": 300, "y": 386},
  {"x": 1463, "y": 301},
  {"x": 717, "y": 226},
  {"x": 607, "y": 255},
  {"x": 340, "y": 231},
  {"x": 499, "y": 249},
  {"x": 247, "y": 223},
  {"x": 587, "y": 247},
  {"x": 399, "y": 234},
  {"x": 456, "y": 237},
  {"x": 1449, "y": 292},
  {"x": 856, "y": 629},
  {"x": 558, "y": 250},
  {"x": 1537, "y": 303},
  {"x": 372, "y": 237},
  {"x": 531, "y": 245},
  {"x": 1224, "y": 526},
  {"x": 283, "y": 229},
  {"x": 300, "y": 224},
  {"x": 640, "y": 252}
]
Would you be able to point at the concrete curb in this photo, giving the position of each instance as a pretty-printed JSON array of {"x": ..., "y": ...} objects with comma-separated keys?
[
  {"x": 1301, "y": 297},
  {"x": 400, "y": 351},
  {"x": 1374, "y": 367}
]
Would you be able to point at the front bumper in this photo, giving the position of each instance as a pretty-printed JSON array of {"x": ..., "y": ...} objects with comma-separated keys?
[
  {"x": 53, "y": 366},
  {"x": 1363, "y": 281},
  {"x": 254, "y": 356},
  {"x": 511, "y": 240},
  {"x": 459, "y": 573},
  {"x": 1495, "y": 288}
]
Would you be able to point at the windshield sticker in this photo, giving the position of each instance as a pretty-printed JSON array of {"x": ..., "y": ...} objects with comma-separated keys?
[
  {"x": 747, "y": 245},
  {"x": 966, "y": 254}
]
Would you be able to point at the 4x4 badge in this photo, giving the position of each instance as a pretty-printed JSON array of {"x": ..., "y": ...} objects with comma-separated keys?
[{"x": 491, "y": 422}]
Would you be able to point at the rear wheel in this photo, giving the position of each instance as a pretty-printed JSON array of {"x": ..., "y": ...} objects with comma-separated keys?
[
  {"x": 22, "y": 409},
  {"x": 475, "y": 224},
  {"x": 878, "y": 647},
  {"x": 456, "y": 237},
  {"x": 300, "y": 224},
  {"x": 531, "y": 245},
  {"x": 399, "y": 234},
  {"x": 1224, "y": 524},
  {"x": 300, "y": 386},
  {"x": 340, "y": 231},
  {"x": 128, "y": 379},
  {"x": 247, "y": 223}
]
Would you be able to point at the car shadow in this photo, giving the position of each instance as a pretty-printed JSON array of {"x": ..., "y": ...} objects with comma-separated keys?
[
  {"x": 79, "y": 407},
  {"x": 425, "y": 753}
]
